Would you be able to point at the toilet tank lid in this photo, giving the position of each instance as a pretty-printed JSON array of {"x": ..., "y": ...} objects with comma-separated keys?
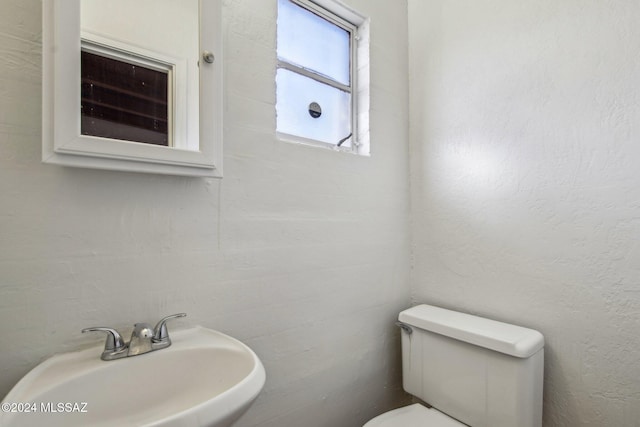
[{"x": 498, "y": 336}]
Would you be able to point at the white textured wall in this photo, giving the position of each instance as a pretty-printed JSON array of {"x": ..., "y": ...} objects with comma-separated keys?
[
  {"x": 300, "y": 252},
  {"x": 525, "y": 154}
]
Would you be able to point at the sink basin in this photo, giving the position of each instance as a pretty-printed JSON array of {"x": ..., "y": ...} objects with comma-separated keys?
[{"x": 205, "y": 378}]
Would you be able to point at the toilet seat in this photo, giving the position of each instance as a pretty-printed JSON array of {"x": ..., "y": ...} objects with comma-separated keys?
[{"x": 415, "y": 415}]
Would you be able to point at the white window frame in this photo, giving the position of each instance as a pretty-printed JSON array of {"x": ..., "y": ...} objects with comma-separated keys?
[{"x": 351, "y": 21}]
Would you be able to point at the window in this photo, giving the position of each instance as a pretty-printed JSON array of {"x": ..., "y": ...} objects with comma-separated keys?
[
  {"x": 317, "y": 77},
  {"x": 127, "y": 100}
]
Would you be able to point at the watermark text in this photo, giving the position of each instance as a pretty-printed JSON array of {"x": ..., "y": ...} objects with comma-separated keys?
[{"x": 45, "y": 407}]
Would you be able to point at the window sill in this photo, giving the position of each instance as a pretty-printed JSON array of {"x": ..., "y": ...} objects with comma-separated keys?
[{"x": 293, "y": 139}]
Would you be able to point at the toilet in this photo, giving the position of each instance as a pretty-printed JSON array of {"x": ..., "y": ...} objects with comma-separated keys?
[{"x": 469, "y": 371}]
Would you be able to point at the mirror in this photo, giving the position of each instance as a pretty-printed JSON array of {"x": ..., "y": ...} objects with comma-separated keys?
[
  {"x": 139, "y": 80},
  {"x": 140, "y": 90}
]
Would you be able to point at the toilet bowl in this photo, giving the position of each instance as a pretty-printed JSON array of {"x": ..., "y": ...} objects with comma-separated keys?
[
  {"x": 415, "y": 415},
  {"x": 472, "y": 371}
]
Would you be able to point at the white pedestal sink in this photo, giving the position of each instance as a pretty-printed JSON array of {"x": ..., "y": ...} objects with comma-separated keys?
[{"x": 205, "y": 378}]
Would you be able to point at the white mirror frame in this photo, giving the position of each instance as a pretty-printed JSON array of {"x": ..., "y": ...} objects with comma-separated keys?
[{"x": 62, "y": 142}]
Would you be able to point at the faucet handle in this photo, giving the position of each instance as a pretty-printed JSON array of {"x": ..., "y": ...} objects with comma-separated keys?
[
  {"x": 161, "y": 334},
  {"x": 114, "y": 345}
]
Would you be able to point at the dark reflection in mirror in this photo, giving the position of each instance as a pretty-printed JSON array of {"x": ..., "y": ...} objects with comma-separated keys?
[{"x": 125, "y": 101}]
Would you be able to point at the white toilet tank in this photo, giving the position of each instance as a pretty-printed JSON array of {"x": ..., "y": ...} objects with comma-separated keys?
[{"x": 482, "y": 372}]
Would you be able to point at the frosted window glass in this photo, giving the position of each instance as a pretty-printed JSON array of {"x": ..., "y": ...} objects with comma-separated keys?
[
  {"x": 311, "y": 42},
  {"x": 294, "y": 94}
]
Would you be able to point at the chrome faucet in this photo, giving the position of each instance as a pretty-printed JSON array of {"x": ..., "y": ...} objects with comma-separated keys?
[{"x": 143, "y": 339}]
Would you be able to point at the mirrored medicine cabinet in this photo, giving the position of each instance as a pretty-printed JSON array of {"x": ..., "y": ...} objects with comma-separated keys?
[{"x": 133, "y": 85}]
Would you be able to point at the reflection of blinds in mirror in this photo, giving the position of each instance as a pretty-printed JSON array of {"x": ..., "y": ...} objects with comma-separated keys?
[{"x": 123, "y": 101}]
